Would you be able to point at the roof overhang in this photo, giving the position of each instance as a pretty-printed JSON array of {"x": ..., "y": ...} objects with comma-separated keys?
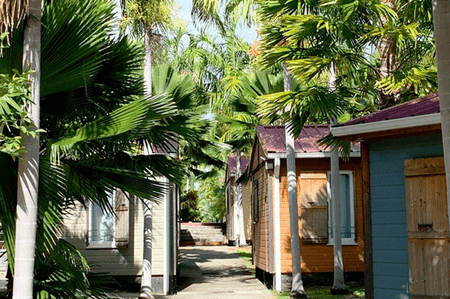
[
  {"x": 371, "y": 129},
  {"x": 309, "y": 155}
]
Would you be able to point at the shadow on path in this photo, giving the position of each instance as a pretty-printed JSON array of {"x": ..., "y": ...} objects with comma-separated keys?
[{"x": 216, "y": 272}]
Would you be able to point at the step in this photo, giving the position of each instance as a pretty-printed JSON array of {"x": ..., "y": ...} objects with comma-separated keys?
[{"x": 201, "y": 234}]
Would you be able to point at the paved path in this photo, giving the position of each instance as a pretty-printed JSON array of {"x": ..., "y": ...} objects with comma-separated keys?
[
  {"x": 211, "y": 272},
  {"x": 214, "y": 272}
]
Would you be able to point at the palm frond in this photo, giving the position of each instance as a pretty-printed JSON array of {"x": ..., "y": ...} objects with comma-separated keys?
[{"x": 342, "y": 146}]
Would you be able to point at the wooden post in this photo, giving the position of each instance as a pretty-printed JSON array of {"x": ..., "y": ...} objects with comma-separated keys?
[{"x": 368, "y": 259}]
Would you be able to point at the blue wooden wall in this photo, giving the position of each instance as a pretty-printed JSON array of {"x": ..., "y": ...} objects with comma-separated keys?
[{"x": 387, "y": 186}]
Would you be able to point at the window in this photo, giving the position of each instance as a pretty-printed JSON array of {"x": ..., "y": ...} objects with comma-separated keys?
[
  {"x": 255, "y": 201},
  {"x": 347, "y": 207},
  {"x": 101, "y": 225}
]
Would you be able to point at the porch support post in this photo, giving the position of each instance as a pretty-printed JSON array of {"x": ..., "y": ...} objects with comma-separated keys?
[{"x": 367, "y": 216}]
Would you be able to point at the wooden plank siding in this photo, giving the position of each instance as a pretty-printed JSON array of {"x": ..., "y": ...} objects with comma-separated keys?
[
  {"x": 388, "y": 209},
  {"x": 315, "y": 257},
  {"x": 122, "y": 261},
  {"x": 261, "y": 227},
  {"x": 319, "y": 257},
  {"x": 427, "y": 224}
]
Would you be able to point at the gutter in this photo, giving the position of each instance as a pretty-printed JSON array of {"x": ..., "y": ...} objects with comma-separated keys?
[
  {"x": 277, "y": 225},
  {"x": 309, "y": 155},
  {"x": 386, "y": 125}
]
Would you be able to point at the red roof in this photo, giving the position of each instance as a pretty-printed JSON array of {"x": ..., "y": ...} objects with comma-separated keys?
[
  {"x": 273, "y": 138},
  {"x": 421, "y": 106},
  {"x": 232, "y": 163}
]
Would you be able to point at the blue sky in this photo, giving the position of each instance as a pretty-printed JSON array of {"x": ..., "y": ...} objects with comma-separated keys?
[{"x": 248, "y": 34}]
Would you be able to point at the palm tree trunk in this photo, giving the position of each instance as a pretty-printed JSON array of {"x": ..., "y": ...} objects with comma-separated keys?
[
  {"x": 297, "y": 290},
  {"x": 388, "y": 64},
  {"x": 239, "y": 205},
  {"x": 441, "y": 14},
  {"x": 28, "y": 175},
  {"x": 146, "y": 280},
  {"x": 338, "y": 282}
]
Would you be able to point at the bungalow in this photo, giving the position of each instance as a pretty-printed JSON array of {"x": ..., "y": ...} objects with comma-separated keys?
[
  {"x": 115, "y": 244},
  {"x": 270, "y": 207},
  {"x": 405, "y": 205},
  {"x": 230, "y": 192}
]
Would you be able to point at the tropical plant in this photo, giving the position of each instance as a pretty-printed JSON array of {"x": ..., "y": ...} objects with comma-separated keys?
[
  {"x": 95, "y": 120},
  {"x": 211, "y": 199},
  {"x": 188, "y": 206},
  {"x": 12, "y": 14},
  {"x": 146, "y": 20},
  {"x": 14, "y": 95},
  {"x": 310, "y": 36}
]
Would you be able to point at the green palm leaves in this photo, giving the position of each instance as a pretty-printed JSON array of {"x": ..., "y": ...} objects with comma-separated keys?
[
  {"x": 367, "y": 41},
  {"x": 96, "y": 121}
]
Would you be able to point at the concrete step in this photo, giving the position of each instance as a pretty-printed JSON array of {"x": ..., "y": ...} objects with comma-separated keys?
[{"x": 200, "y": 234}]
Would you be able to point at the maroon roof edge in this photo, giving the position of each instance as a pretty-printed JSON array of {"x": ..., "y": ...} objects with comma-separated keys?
[
  {"x": 421, "y": 106},
  {"x": 273, "y": 138}
]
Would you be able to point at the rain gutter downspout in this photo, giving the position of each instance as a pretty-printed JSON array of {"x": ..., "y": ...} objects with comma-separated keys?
[
  {"x": 166, "y": 254},
  {"x": 277, "y": 225}
]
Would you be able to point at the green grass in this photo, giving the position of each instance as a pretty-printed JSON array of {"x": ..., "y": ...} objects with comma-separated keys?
[
  {"x": 324, "y": 293},
  {"x": 246, "y": 255},
  {"x": 313, "y": 292}
]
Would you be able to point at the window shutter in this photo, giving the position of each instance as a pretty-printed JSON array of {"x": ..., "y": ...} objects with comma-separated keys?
[
  {"x": 255, "y": 201},
  {"x": 314, "y": 213},
  {"x": 122, "y": 219}
]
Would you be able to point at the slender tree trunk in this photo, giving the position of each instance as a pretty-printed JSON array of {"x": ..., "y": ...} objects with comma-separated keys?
[
  {"x": 28, "y": 175},
  {"x": 297, "y": 291},
  {"x": 239, "y": 205},
  {"x": 146, "y": 281},
  {"x": 338, "y": 283},
  {"x": 441, "y": 14},
  {"x": 388, "y": 64}
]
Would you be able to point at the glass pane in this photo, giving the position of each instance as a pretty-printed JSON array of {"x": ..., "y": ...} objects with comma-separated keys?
[
  {"x": 344, "y": 196},
  {"x": 102, "y": 224},
  {"x": 345, "y": 204}
]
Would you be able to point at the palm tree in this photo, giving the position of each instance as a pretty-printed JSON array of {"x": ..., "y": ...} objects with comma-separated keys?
[
  {"x": 331, "y": 32},
  {"x": 27, "y": 193},
  {"x": 147, "y": 19},
  {"x": 297, "y": 291},
  {"x": 441, "y": 27},
  {"x": 220, "y": 67},
  {"x": 95, "y": 118},
  {"x": 313, "y": 37}
]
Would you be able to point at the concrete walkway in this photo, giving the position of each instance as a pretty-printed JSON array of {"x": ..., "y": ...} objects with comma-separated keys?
[
  {"x": 214, "y": 272},
  {"x": 209, "y": 272}
]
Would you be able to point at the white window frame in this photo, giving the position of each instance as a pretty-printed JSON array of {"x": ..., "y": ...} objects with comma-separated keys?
[
  {"x": 344, "y": 241},
  {"x": 96, "y": 244}
]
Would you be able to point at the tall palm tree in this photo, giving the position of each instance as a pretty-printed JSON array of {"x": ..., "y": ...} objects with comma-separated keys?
[
  {"x": 95, "y": 116},
  {"x": 313, "y": 36},
  {"x": 297, "y": 290},
  {"x": 27, "y": 193},
  {"x": 147, "y": 19},
  {"x": 220, "y": 66},
  {"x": 441, "y": 27}
]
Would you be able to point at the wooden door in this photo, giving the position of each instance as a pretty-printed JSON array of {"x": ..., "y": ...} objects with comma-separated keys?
[{"x": 428, "y": 231}]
